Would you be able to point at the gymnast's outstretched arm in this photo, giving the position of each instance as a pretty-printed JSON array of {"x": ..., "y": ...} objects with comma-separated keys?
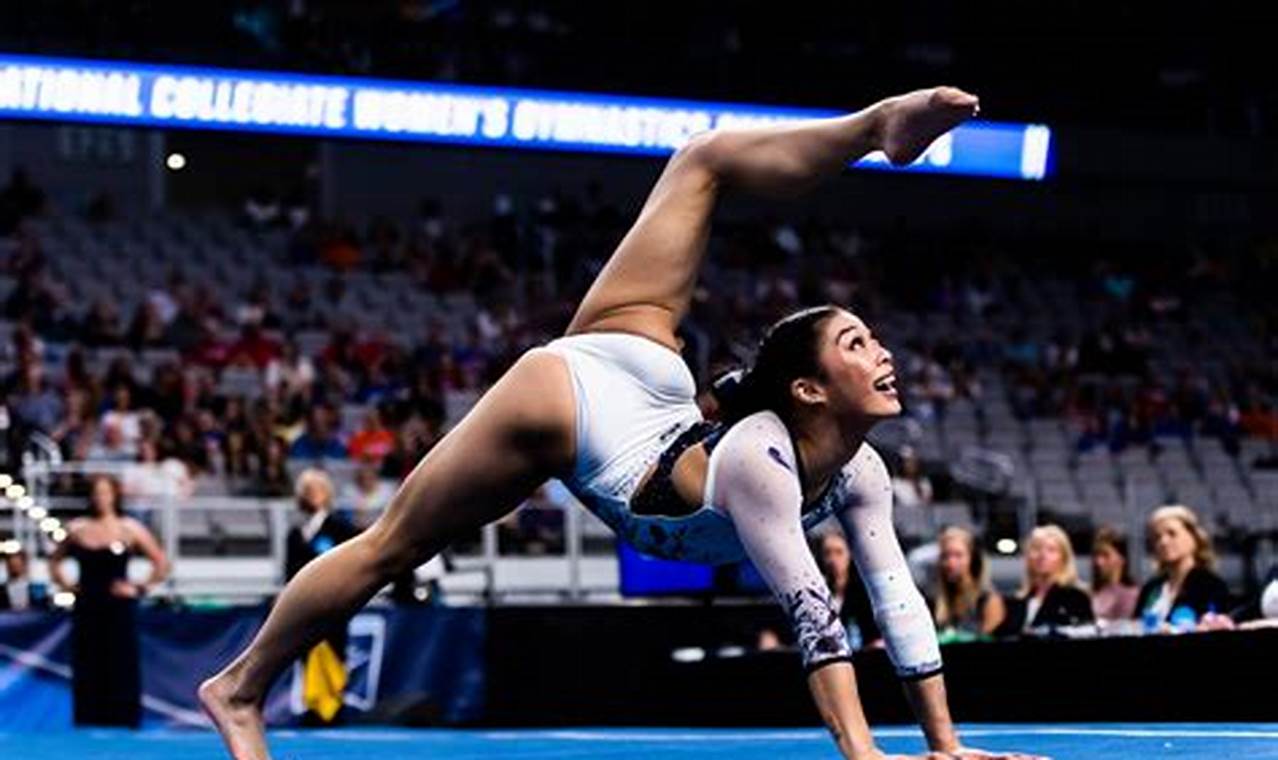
[
  {"x": 899, "y": 608},
  {"x": 754, "y": 480},
  {"x": 646, "y": 286}
]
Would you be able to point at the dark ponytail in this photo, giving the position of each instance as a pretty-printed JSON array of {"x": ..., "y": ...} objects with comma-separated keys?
[{"x": 788, "y": 351}]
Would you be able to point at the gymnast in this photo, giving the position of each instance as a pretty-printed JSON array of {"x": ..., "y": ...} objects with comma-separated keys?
[{"x": 609, "y": 409}]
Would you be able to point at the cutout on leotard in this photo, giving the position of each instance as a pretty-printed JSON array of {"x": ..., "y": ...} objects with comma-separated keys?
[{"x": 658, "y": 497}]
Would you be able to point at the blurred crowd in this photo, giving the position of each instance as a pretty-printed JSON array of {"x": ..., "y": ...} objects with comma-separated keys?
[{"x": 220, "y": 397}]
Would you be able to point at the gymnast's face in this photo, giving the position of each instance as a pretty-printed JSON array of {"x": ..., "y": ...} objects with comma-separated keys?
[{"x": 860, "y": 379}]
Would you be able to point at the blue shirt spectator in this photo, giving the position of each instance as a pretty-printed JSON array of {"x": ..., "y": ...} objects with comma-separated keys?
[{"x": 320, "y": 440}]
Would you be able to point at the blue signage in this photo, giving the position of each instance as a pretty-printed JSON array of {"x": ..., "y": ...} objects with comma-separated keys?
[{"x": 73, "y": 90}]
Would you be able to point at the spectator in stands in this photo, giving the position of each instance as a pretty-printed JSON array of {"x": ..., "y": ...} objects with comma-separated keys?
[
  {"x": 237, "y": 458},
  {"x": 168, "y": 396},
  {"x": 1050, "y": 596},
  {"x": 33, "y": 403},
  {"x": 366, "y": 496},
  {"x": 156, "y": 474},
  {"x": 1186, "y": 568},
  {"x": 1113, "y": 593},
  {"x": 254, "y": 347},
  {"x": 78, "y": 429},
  {"x": 148, "y": 329},
  {"x": 18, "y": 592},
  {"x": 110, "y": 446},
  {"x": 272, "y": 475},
  {"x": 320, "y": 531},
  {"x": 964, "y": 602},
  {"x": 319, "y": 440},
  {"x": 290, "y": 373},
  {"x": 101, "y": 326},
  {"x": 211, "y": 348},
  {"x": 76, "y": 377},
  {"x": 123, "y": 418},
  {"x": 333, "y": 384},
  {"x": 460, "y": 389},
  {"x": 373, "y": 442},
  {"x": 847, "y": 591},
  {"x": 910, "y": 487},
  {"x": 256, "y": 309},
  {"x": 188, "y": 447}
]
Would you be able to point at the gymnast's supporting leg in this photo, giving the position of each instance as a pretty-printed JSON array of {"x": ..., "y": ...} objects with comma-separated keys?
[{"x": 518, "y": 436}]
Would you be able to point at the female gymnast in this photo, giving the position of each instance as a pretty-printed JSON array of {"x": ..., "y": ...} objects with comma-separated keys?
[{"x": 609, "y": 409}]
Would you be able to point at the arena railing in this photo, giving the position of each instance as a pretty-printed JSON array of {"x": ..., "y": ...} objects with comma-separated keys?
[{"x": 233, "y": 547}]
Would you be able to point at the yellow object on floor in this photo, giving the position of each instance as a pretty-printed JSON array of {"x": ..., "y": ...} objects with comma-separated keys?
[{"x": 323, "y": 681}]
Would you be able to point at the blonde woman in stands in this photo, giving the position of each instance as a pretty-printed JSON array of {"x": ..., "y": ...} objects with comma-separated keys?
[
  {"x": 610, "y": 409},
  {"x": 1050, "y": 595},
  {"x": 965, "y": 604},
  {"x": 1186, "y": 567},
  {"x": 1113, "y": 593}
]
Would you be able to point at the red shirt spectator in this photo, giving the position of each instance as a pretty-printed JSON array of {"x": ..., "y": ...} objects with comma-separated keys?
[
  {"x": 257, "y": 347},
  {"x": 372, "y": 442}
]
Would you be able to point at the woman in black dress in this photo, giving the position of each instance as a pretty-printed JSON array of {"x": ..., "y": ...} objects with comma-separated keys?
[{"x": 106, "y": 682}]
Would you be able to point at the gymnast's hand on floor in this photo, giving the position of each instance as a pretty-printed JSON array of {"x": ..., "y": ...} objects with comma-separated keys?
[{"x": 964, "y": 753}]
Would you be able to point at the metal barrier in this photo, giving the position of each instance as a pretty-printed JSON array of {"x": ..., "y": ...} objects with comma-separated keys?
[{"x": 234, "y": 547}]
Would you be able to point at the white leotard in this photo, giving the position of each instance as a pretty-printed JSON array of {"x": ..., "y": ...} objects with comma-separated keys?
[{"x": 634, "y": 396}]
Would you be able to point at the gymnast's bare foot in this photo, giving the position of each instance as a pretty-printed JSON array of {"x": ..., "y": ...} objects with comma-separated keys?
[
  {"x": 911, "y": 122},
  {"x": 239, "y": 722}
]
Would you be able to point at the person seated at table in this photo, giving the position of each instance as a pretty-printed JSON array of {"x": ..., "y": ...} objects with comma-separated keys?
[
  {"x": 1050, "y": 596},
  {"x": 964, "y": 601},
  {"x": 1113, "y": 593},
  {"x": 1186, "y": 568},
  {"x": 1260, "y": 611},
  {"x": 847, "y": 590}
]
